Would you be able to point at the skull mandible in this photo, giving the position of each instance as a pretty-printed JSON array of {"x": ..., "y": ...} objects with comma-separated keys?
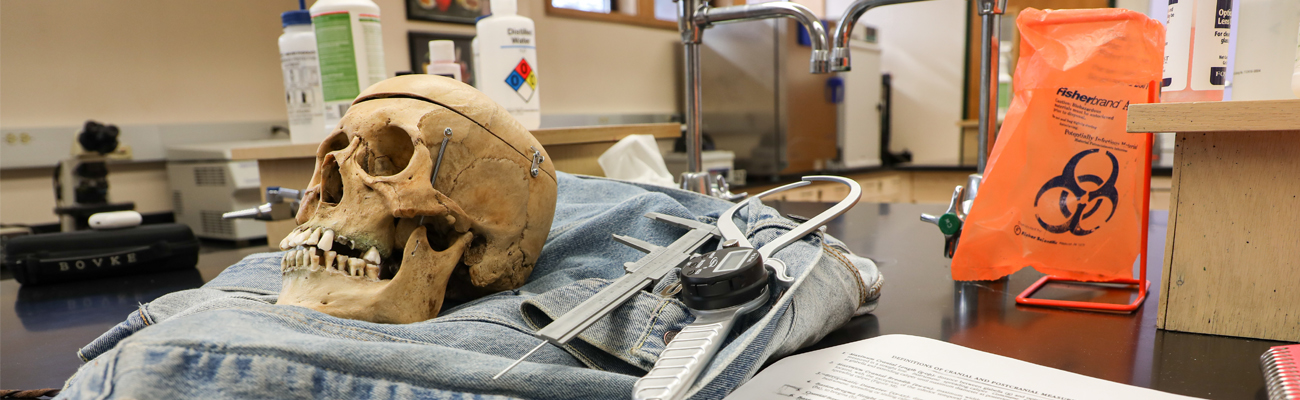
[{"x": 379, "y": 242}]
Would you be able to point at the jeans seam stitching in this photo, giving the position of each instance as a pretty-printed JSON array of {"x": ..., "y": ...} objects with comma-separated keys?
[
  {"x": 852, "y": 269},
  {"x": 649, "y": 328}
]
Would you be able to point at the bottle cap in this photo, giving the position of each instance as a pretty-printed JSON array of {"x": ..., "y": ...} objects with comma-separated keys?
[
  {"x": 296, "y": 17},
  {"x": 504, "y": 7},
  {"x": 442, "y": 51}
]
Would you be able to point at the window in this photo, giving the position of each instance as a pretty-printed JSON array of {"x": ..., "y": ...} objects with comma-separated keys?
[{"x": 652, "y": 13}]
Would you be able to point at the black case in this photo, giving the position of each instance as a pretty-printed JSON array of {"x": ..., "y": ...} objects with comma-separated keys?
[{"x": 68, "y": 256}]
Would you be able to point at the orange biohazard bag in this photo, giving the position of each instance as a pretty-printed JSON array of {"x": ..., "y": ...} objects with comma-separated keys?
[{"x": 1063, "y": 190}]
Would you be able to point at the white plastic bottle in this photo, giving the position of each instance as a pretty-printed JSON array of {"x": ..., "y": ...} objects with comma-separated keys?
[
  {"x": 1265, "y": 39},
  {"x": 507, "y": 62},
  {"x": 474, "y": 72},
  {"x": 442, "y": 59},
  {"x": 1196, "y": 50},
  {"x": 350, "y": 46},
  {"x": 302, "y": 93}
]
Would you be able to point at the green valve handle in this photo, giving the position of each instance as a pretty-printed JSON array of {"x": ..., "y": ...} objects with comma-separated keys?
[
  {"x": 951, "y": 221},
  {"x": 949, "y": 224}
]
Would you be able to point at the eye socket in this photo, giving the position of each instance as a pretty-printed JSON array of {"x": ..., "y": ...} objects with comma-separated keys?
[
  {"x": 386, "y": 152},
  {"x": 331, "y": 182},
  {"x": 335, "y": 142}
]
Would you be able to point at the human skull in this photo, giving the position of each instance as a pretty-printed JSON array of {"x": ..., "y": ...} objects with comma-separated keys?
[{"x": 379, "y": 242}]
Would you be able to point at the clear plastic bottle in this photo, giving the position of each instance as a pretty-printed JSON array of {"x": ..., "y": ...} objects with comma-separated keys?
[
  {"x": 507, "y": 62},
  {"x": 302, "y": 93},
  {"x": 350, "y": 46},
  {"x": 1196, "y": 50},
  {"x": 442, "y": 59}
]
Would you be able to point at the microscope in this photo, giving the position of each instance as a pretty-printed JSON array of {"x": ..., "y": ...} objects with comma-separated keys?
[{"x": 81, "y": 180}]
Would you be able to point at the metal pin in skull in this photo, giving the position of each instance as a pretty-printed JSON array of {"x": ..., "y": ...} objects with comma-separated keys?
[{"x": 437, "y": 164}]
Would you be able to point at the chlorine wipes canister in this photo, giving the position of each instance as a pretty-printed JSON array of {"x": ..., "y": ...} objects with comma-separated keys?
[{"x": 350, "y": 47}]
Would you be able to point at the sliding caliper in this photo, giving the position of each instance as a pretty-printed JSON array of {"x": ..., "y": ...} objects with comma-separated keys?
[{"x": 657, "y": 263}]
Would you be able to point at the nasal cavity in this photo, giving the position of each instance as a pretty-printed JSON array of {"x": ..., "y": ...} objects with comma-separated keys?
[{"x": 331, "y": 182}]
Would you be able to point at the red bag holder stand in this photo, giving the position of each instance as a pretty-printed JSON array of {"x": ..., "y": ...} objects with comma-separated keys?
[{"x": 1142, "y": 283}]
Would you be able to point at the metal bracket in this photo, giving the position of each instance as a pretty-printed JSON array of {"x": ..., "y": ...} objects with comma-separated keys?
[{"x": 537, "y": 161}]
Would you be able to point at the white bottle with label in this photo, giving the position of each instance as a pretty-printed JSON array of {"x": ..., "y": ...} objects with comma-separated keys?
[
  {"x": 442, "y": 59},
  {"x": 350, "y": 46},
  {"x": 1265, "y": 40},
  {"x": 507, "y": 62},
  {"x": 1196, "y": 50},
  {"x": 301, "y": 79}
]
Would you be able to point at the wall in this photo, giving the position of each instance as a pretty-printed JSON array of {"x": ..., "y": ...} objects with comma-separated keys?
[{"x": 183, "y": 62}]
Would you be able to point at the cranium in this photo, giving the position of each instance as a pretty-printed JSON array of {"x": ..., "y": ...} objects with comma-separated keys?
[{"x": 379, "y": 242}]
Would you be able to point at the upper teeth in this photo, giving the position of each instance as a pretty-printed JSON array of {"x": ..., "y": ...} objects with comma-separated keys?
[
  {"x": 314, "y": 237},
  {"x": 326, "y": 240},
  {"x": 372, "y": 256},
  {"x": 316, "y": 254}
]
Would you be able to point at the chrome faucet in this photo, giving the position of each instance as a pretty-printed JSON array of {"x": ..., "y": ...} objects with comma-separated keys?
[
  {"x": 693, "y": 16},
  {"x": 840, "y": 54},
  {"x": 990, "y": 11}
]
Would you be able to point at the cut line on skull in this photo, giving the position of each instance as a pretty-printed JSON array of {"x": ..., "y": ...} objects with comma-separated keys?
[{"x": 379, "y": 242}]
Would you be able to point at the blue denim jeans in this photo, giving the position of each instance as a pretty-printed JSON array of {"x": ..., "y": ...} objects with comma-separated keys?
[{"x": 229, "y": 339}]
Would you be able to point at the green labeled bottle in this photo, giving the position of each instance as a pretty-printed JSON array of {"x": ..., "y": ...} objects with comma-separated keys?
[{"x": 350, "y": 47}]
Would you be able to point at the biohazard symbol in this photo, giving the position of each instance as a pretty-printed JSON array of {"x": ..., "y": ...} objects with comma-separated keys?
[{"x": 1075, "y": 200}]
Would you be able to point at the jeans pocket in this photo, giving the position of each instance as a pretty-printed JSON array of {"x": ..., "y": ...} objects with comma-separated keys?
[{"x": 628, "y": 340}]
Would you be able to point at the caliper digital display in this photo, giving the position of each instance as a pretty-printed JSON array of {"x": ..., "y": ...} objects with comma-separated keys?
[{"x": 732, "y": 261}]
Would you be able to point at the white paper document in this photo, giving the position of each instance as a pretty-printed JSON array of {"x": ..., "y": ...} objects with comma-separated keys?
[{"x": 912, "y": 367}]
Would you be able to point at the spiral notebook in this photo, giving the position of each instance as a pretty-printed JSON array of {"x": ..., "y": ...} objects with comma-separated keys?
[{"x": 1282, "y": 372}]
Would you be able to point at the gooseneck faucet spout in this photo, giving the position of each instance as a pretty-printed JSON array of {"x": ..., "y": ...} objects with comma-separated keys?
[
  {"x": 692, "y": 17},
  {"x": 819, "y": 64},
  {"x": 840, "y": 54}
]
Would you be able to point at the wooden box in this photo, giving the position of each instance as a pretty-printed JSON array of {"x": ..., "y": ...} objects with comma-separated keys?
[{"x": 1232, "y": 254}]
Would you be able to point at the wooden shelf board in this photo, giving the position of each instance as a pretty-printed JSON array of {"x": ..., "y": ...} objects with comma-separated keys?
[
  {"x": 605, "y": 133},
  {"x": 1215, "y": 116},
  {"x": 547, "y": 136},
  {"x": 274, "y": 152}
]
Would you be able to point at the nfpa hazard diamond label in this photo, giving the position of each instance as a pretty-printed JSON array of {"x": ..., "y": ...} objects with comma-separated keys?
[{"x": 523, "y": 80}]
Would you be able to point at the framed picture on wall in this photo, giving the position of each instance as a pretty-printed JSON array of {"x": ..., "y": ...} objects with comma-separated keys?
[
  {"x": 418, "y": 43},
  {"x": 457, "y": 11}
]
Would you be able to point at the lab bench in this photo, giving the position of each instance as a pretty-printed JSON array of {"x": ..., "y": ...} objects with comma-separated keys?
[
  {"x": 573, "y": 150},
  {"x": 43, "y": 326},
  {"x": 911, "y": 184}
]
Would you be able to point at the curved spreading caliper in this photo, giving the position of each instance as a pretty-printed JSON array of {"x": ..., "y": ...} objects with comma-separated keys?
[
  {"x": 720, "y": 286},
  {"x": 730, "y": 231},
  {"x": 683, "y": 359}
]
